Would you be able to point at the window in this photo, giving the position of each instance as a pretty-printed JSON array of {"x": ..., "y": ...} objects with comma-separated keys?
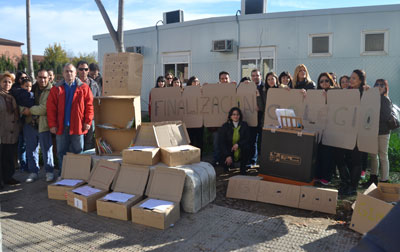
[
  {"x": 256, "y": 58},
  {"x": 177, "y": 64},
  {"x": 374, "y": 42},
  {"x": 320, "y": 44}
]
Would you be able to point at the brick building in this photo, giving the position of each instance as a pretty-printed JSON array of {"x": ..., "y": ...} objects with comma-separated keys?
[{"x": 11, "y": 49}]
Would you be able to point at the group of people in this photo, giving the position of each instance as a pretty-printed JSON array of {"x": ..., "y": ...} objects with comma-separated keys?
[
  {"x": 232, "y": 140},
  {"x": 55, "y": 117}
]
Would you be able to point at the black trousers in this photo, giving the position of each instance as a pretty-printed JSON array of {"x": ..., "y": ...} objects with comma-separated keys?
[
  {"x": 349, "y": 164},
  {"x": 7, "y": 164},
  {"x": 196, "y": 136}
]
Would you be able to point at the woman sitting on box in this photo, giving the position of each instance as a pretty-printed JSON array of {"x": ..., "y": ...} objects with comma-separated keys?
[{"x": 234, "y": 139}]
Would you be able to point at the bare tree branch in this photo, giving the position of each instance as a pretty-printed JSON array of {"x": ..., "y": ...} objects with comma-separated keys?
[
  {"x": 114, "y": 35},
  {"x": 120, "y": 31}
]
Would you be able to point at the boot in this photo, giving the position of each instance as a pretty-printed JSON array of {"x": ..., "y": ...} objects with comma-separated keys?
[{"x": 372, "y": 179}]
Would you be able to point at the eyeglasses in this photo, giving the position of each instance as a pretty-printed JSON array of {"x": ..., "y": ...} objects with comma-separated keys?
[
  {"x": 324, "y": 80},
  {"x": 83, "y": 69},
  {"x": 379, "y": 85}
]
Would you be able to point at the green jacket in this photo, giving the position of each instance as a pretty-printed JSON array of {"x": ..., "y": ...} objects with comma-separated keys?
[{"x": 40, "y": 110}]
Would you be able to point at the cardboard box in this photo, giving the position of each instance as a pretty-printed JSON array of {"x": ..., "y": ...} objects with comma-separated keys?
[
  {"x": 318, "y": 199},
  {"x": 243, "y": 187},
  {"x": 166, "y": 184},
  {"x": 180, "y": 155},
  {"x": 279, "y": 194},
  {"x": 76, "y": 167},
  {"x": 101, "y": 178},
  {"x": 289, "y": 154},
  {"x": 131, "y": 179},
  {"x": 373, "y": 205},
  {"x": 174, "y": 134},
  {"x": 122, "y": 74},
  {"x": 145, "y": 136},
  {"x": 117, "y": 111}
]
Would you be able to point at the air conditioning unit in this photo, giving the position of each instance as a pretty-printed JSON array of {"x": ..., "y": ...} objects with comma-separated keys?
[
  {"x": 135, "y": 49},
  {"x": 254, "y": 7},
  {"x": 173, "y": 17},
  {"x": 225, "y": 45}
]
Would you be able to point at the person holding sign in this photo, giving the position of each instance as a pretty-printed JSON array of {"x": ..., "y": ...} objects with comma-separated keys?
[
  {"x": 195, "y": 134},
  {"x": 383, "y": 137},
  {"x": 325, "y": 159},
  {"x": 160, "y": 83},
  {"x": 350, "y": 175},
  {"x": 301, "y": 78},
  {"x": 234, "y": 140}
]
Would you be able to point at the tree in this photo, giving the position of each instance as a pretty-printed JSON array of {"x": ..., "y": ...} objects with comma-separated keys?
[
  {"x": 55, "y": 56},
  {"x": 117, "y": 36},
  {"x": 89, "y": 58},
  {"x": 6, "y": 64}
]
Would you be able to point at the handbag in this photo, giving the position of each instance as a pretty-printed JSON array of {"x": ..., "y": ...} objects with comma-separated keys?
[{"x": 394, "y": 121}]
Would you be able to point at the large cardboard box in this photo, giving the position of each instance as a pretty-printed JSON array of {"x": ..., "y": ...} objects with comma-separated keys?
[
  {"x": 122, "y": 74},
  {"x": 373, "y": 205},
  {"x": 318, "y": 199},
  {"x": 113, "y": 117},
  {"x": 289, "y": 154},
  {"x": 166, "y": 185},
  {"x": 75, "y": 172},
  {"x": 142, "y": 153},
  {"x": 131, "y": 179},
  {"x": 100, "y": 180},
  {"x": 279, "y": 194},
  {"x": 173, "y": 139},
  {"x": 243, "y": 187}
]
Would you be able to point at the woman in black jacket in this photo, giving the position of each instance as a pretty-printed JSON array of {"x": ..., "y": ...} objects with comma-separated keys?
[
  {"x": 302, "y": 79},
  {"x": 234, "y": 139},
  {"x": 383, "y": 137}
]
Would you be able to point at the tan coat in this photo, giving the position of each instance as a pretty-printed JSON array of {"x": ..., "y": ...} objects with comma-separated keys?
[
  {"x": 41, "y": 110},
  {"x": 9, "y": 126}
]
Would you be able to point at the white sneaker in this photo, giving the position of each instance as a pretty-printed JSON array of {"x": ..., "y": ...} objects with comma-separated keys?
[
  {"x": 31, "y": 178},
  {"x": 49, "y": 176}
]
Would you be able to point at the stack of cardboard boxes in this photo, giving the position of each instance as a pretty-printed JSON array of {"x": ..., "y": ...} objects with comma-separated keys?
[{"x": 117, "y": 113}]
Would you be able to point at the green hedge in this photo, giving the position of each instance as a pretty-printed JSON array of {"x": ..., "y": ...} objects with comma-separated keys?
[{"x": 394, "y": 152}]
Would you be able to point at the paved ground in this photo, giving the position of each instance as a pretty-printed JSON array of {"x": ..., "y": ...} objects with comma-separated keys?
[{"x": 32, "y": 222}]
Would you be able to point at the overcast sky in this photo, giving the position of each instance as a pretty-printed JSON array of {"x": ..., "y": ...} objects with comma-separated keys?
[{"x": 72, "y": 23}]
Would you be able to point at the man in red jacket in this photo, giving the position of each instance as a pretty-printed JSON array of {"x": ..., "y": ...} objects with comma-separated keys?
[{"x": 69, "y": 112}]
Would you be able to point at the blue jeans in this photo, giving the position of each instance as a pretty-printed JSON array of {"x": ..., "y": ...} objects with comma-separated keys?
[
  {"x": 67, "y": 142},
  {"x": 22, "y": 152},
  {"x": 33, "y": 140}
]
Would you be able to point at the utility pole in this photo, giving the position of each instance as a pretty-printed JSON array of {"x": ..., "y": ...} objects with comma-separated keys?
[{"x": 31, "y": 72}]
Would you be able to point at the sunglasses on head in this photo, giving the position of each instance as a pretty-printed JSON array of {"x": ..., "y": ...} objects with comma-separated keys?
[
  {"x": 379, "y": 85},
  {"x": 83, "y": 69}
]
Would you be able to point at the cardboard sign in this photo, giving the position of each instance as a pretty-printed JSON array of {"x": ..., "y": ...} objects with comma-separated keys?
[
  {"x": 367, "y": 138},
  {"x": 166, "y": 104},
  {"x": 217, "y": 100},
  {"x": 315, "y": 112},
  {"x": 243, "y": 187},
  {"x": 122, "y": 74},
  {"x": 191, "y": 96},
  {"x": 248, "y": 102},
  {"x": 208, "y": 105},
  {"x": 282, "y": 98},
  {"x": 343, "y": 117}
]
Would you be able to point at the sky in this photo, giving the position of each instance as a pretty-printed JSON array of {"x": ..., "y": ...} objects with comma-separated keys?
[{"x": 72, "y": 23}]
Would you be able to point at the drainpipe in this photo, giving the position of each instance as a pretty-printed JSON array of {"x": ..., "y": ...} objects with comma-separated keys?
[{"x": 238, "y": 33}]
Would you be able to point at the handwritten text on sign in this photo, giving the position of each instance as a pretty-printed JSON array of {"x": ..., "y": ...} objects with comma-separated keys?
[{"x": 208, "y": 106}]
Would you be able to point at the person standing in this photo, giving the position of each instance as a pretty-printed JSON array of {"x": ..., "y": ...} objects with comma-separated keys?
[
  {"x": 83, "y": 71},
  {"x": 302, "y": 79},
  {"x": 69, "y": 112},
  {"x": 256, "y": 131},
  {"x": 9, "y": 131},
  {"x": 39, "y": 134},
  {"x": 94, "y": 73}
]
